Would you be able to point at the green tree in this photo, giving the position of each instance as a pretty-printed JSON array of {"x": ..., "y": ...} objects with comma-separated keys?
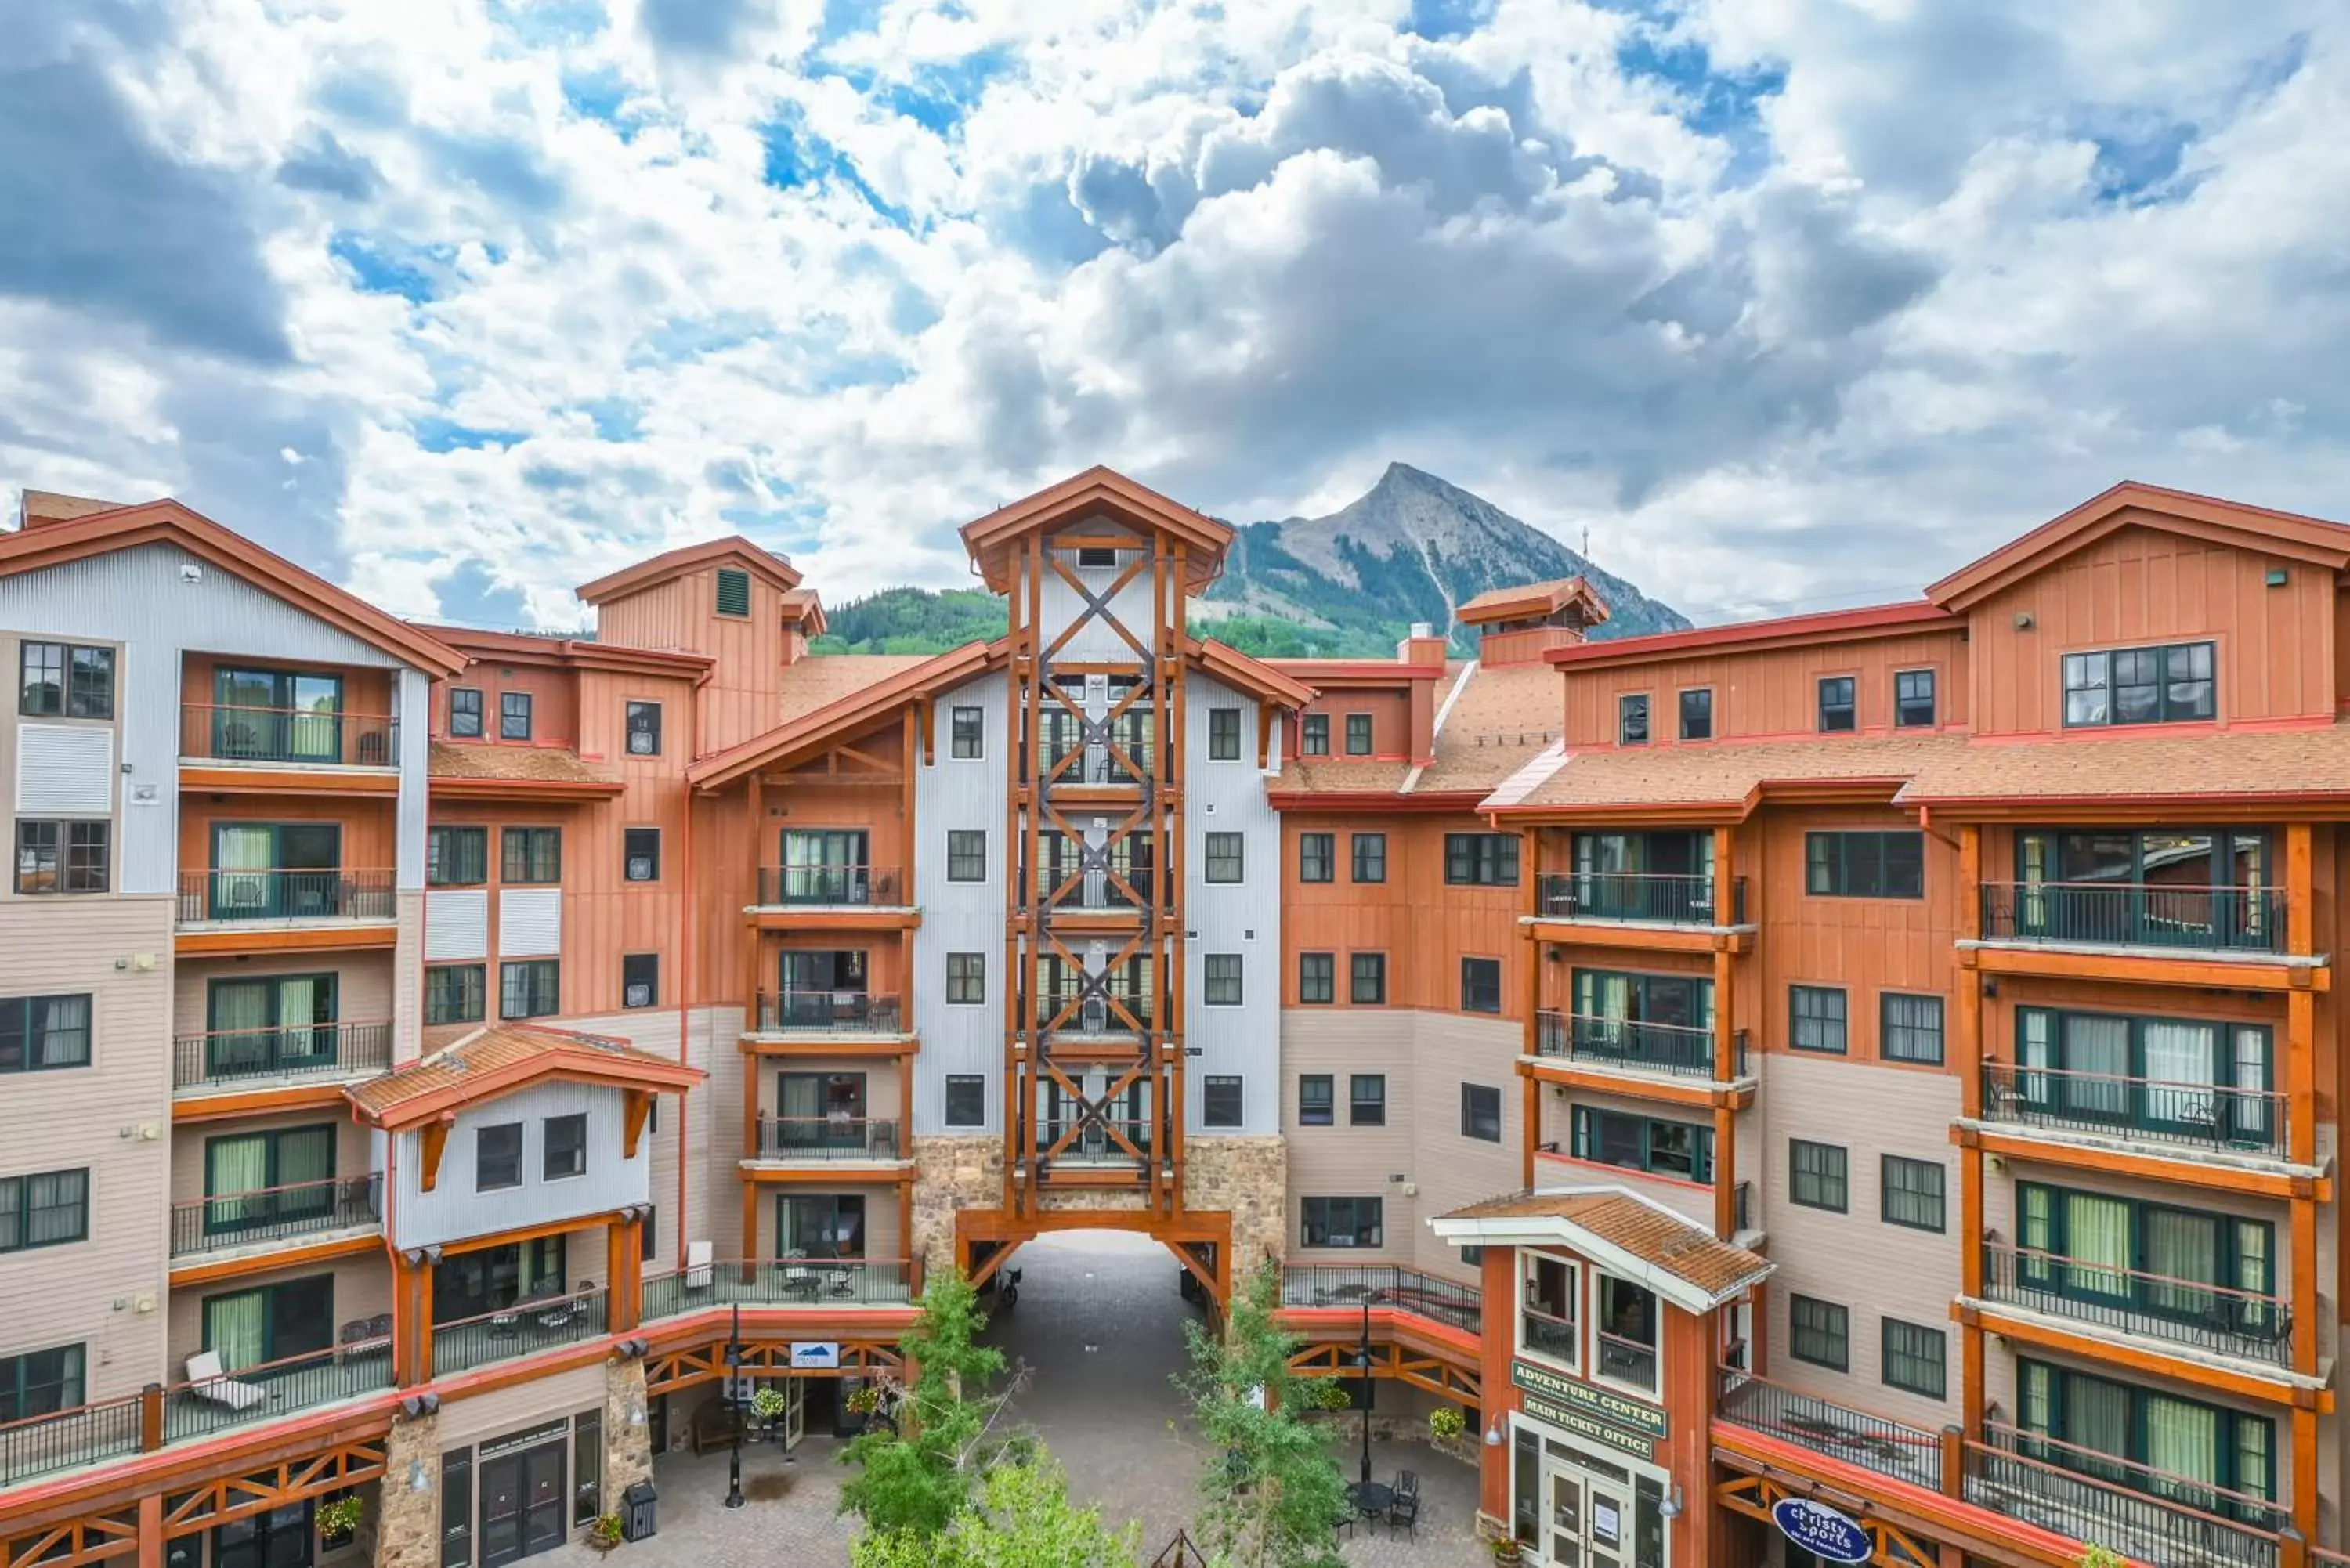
[
  {"x": 1023, "y": 1519},
  {"x": 919, "y": 1469},
  {"x": 1276, "y": 1496}
]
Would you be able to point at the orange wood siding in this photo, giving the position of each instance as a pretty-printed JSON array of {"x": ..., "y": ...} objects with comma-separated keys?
[
  {"x": 554, "y": 708},
  {"x": 1390, "y": 711},
  {"x": 367, "y": 826},
  {"x": 1423, "y": 925},
  {"x": 367, "y": 692},
  {"x": 682, "y": 614},
  {"x": 2138, "y": 585},
  {"x": 1770, "y": 692}
]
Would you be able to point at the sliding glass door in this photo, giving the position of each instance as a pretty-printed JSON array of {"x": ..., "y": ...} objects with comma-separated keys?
[
  {"x": 276, "y": 1024},
  {"x": 277, "y": 716}
]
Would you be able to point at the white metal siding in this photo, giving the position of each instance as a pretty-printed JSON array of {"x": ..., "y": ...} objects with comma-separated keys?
[
  {"x": 67, "y": 769},
  {"x": 1097, "y": 639},
  {"x": 530, "y": 922},
  {"x": 1225, "y": 918},
  {"x": 961, "y": 917},
  {"x": 457, "y": 924},
  {"x": 455, "y": 1209}
]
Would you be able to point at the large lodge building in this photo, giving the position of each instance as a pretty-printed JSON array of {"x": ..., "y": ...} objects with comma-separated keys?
[{"x": 1866, "y": 1079}]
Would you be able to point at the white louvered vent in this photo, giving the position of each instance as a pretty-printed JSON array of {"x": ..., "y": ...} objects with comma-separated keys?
[
  {"x": 457, "y": 924},
  {"x": 65, "y": 769},
  {"x": 530, "y": 922}
]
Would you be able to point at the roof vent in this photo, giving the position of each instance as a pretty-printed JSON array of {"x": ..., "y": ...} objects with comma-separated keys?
[{"x": 1423, "y": 628}]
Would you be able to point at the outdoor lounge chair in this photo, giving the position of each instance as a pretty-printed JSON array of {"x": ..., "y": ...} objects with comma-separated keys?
[
  {"x": 206, "y": 1380},
  {"x": 697, "y": 1265}
]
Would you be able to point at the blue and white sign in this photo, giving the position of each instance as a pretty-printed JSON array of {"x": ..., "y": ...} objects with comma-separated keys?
[
  {"x": 1821, "y": 1531},
  {"x": 815, "y": 1355}
]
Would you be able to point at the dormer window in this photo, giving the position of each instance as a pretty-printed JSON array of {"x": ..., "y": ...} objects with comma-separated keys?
[{"x": 2173, "y": 684}]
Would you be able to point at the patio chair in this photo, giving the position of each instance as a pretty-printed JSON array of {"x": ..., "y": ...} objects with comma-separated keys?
[
  {"x": 1407, "y": 1484},
  {"x": 697, "y": 1265},
  {"x": 1405, "y": 1511},
  {"x": 206, "y": 1380}
]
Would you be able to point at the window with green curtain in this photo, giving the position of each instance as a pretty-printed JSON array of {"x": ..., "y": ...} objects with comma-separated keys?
[
  {"x": 236, "y": 1329},
  {"x": 2164, "y": 1261},
  {"x": 2147, "y": 1439}
]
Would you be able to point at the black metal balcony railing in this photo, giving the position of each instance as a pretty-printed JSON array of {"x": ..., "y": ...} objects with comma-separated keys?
[
  {"x": 826, "y": 1138},
  {"x": 303, "y": 1051},
  {"x": 1344, "y": 1285},
  {"x": 1659, "y": 898},
  {"x": 273, "y": 1213},
  {"x": 1622, "y": 1360},
  {"x": 2136, "y": 915},
  {"x": 829, "y": 1012},
  {"x": 831, "y": 886},
  {"x": 303, "y": 737},
  {"x": 1081, "y": 889},
  {"x": 781, "y": 1281},
  {"x": 526, "y": 1327},
  {"x": 1100, "y": 764},
  {"x": 1889, "y": 1447},
  {"x": 274, "y": 1389},
  {"x": 2210, "y": 1115},
  {"x": 1683, "y": 1049},
  {"x": 285, "y": 896},
  {"x": 2145, "y": 1514},
  {"x": 1095, "y": 1015},
  {"x": 2152, "y": 1306},
  {"x": 1092, "y": 1144},
  {"x": 68, "y": 1439}
]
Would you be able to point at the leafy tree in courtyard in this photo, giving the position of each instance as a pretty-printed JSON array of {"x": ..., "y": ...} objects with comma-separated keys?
[
  {"x": 919, "y": 1469},
  {"x": 1023, "y": 1519},
  {"x": 1276, "y": 1496}
]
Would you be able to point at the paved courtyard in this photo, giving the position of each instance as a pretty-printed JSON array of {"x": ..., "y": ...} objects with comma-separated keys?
[{"x": 1100, "y": 1330}]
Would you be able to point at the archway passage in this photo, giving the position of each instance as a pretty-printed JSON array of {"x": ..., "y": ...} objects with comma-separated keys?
[{"x": 1201, "y": 1242}]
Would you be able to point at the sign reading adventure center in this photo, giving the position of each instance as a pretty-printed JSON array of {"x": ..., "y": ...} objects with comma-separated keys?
[{"x": 1632, "y": 1414}]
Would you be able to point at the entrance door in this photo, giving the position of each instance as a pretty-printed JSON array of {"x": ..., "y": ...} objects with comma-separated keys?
[
  {"x": 1562, "y": 1531},
  {"x": 281, "y": 1538},
  {"x": 1607, "y": 1529},
  {"x": 522, "y": 1504},
  {"x": 795, "y": 1412},
  {"x": 1586, "y": 1519}
]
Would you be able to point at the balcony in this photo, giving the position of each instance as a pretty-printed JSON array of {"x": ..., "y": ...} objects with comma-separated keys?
[
  {"x": 2144, "y": 1306},
  {"x": 1678, "y": 1050},
  {"x": 828, "y": 1012},
  {"x": 285, "y": 897},
  {"x": 522, "y": 1329},
  {"x": 1889, "y": 1447},
  {"x": 2162, "y": 916},
  {"x": 2198, "y": 1116},
  {"x": 258, "y": 1058},
  {"x": 1100, "y": 765},
  {"x": 1349, "y": 1287},
  {"x": 820, "y": 1140},
  {"x": 1092, "y": 892},
  {"x": 832, "y": 887},
  {"x": 287, "y": 737},
  {"x": 230, "y": 1221},
  {"x": 822, "y": 1283},
  {"x": 2145, "y": 1514},
  {"x": 1636, "y": 897}
]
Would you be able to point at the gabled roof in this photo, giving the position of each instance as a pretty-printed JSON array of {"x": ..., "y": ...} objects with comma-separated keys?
[
  {"x": 497, "y": 1061},
  {"x": 733, "y": 551},
  {"x": 2130, "y": 504},
  {"x": 1233, "y": 667},
  {"x": 54, "y": 543},
  {"x": 804, "y": 607},
  {"x": 1723, "y": 781},
  {"x": 1623, "y": 1233},
  {"x": 1825, "y": 625},
  {"x": 573, "y": 652},
  {"x": 845, "y": 717},
  {"x": 1544, "y": 599},
  {"x": 1097, "y": 490}
]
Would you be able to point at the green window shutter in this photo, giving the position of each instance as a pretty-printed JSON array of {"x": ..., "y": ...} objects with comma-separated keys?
[{"x": 734, "y": 591}]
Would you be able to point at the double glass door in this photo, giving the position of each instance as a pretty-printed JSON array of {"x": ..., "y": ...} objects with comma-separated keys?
[
  {"x": 276, "y": 871},
  {"x": 522, "y": 1504},
  {"x": 1588, "y": 1523},
  {"x": 281, "y": 1538},
  {"x": 285, "y": 1024},
  {"x": 275, "y": 716}
]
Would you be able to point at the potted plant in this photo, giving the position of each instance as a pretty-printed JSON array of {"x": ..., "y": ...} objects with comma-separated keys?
[
  {"x": 1446, "y": 1422},
  {"x": 604, "y": 1533},
  {"x": 338, "y": 1517},
  {"x": 1506, "y": 1552},
  {"x": 2095, "y": 1556},
  {"x": 767, "y": 1405}
]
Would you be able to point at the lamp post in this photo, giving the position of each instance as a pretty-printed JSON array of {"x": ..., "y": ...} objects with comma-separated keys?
[
  {"x": 735, "y": 1385},
  {"x": 1363, "y": 1360}
]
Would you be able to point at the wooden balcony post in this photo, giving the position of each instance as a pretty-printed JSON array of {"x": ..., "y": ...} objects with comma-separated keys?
[
  {"x": 2301, "y": 1075},
  {"x": 2300, "y": 890},
  {"x": 2304, "y": 1483},
  {"x": 2292, "y": 1544},
  {"x": 1970, "y": 1271},
  {"x": 623, "y": 1247},
  {"x": 2306, "y": 1314},
  {"x": 1725, "y": 879},
  {"x": 1531, "y": 1138},
  {"x": 1725, "y": 1172},
  {"x": 151, "y": 1530},
  {"x": 1954, "y": 1461},
  {"x": 150, "y": 1418}
]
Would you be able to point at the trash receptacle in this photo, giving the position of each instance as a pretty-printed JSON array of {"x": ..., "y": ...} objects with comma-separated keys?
[{"x": 636, "y": 1511}]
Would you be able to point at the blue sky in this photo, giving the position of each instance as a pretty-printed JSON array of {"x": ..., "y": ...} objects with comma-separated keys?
[{"x": 1789, "y": 304}]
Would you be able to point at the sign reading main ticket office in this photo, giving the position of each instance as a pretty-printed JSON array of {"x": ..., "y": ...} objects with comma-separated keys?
[
  {"x": 1631, "y": 1414},
  {"x": 1821, "y": 1531}
]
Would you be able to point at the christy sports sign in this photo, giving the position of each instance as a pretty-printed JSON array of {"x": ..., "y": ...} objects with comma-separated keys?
[{"x": 1821, "y": 1531}]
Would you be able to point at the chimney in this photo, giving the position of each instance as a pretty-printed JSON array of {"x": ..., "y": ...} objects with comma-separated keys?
[
  {"x": 39, "y": 507},
  {"x": 1423, "y": 646}
]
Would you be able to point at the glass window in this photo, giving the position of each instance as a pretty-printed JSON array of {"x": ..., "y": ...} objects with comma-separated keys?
[
  {"x": 1368, "y": 978},
  {"x": 1682, "y": 1150},
  {"x": 1369, "y": 854},
  {"x": 1625, "y": 1332},
  {"x": 1632, "y": 720},
  {"x": 966, "y": 1099},
  {"x": 967, "y": 855},
  {"x": 1697, "y": 714},
  {"x": 1912, "y": 1192},
  {"x": 457, "y": 856},
  {"x": 66, "y": 680},
  {"x": 1317, "y": 856},
  {"x": 1223, "y": 734},
  {"x": 1836, "y": 708},
  {"x": 41, "y": 1383},
  {"x": 1816, "y": 1175},
  {"x": 1342, "y": 1222},
  {"x": 1316, "y": 978},
  {"x": 641, "y": 980},
  {"x": 513, "y": 715},
  {"x": 45, "y": 1209},
  {"x": 734, "y": 591},
  {"x": 1317, "y": 735},
  {"x": 1225, "y": 856},
  {"x": 1817, "y": 1018},
  {"x": 1548, "y": 1316},
  {"x": 1916, "y": 1358},
  {"x": 966, "y": 979},
  {"x": 1480, "y": 986},
  {"x": 1822, "y": 1332},
  {"x": 531, "y": 989},
  {"x": 644, "y": 728},
  {"x": 64, "y": 856},
  {"x": 1221, "y": 1106},
  {"x": 564, "y": 1148},
  {"x": 41, "y": 1033},
  {"x": 966, "y": 733},
  {"x": 464, "y": 714},
  {"x": 453, "y": 994},
  {"x": 1910, "y": 1028},
  {"x": 2177, "y": 1442},
  {"x": 1223, "y": 980},
  {"x": 1480, "y": 859},
  {"x": 1358, "y": 734},
  {"x": 531, "y": 855},
  {"x": 1367, "y": 1100},
  {"x": 1316, "y": 1100},
  {"x": 1913, "y": 699},
  {"x": 497, "y": 1156},
  {"x": 1864, "y": 865},
  {"x": 1481, "y": 1112},
  {"x": 2166, "y": 685},
  {"x": 640, "y": 854}
]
